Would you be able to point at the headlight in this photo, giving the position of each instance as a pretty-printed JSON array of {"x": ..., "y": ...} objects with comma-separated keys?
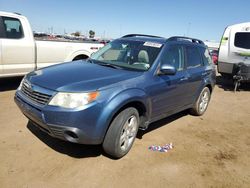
[{"x": 73, "y": 100}]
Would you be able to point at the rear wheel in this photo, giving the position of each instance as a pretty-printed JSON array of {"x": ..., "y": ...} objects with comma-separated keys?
[
  {"x": 121, "y": 133},
  {"x": 201, "y": 104}
]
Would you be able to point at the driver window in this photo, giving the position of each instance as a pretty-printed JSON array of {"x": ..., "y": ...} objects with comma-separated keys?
[
  {"x": 12, "y": 28},
  {"x": 174, "y": 56}
]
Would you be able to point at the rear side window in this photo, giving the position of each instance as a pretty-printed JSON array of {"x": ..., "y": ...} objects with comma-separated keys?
[
  {"x": 242, "y": 40},
  {"x": 12, "y": 28},
  {"x": 205, "y": 56},
  {"x": 174, "y": 56},
  {"x": 193, "y": 57}
]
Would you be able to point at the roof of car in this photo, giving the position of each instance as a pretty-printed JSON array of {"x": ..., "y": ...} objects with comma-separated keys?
[{"x": 162, "y": 40}]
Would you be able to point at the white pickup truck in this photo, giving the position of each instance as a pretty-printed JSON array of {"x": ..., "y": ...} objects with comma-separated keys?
[{"x": 20, "y": 53}]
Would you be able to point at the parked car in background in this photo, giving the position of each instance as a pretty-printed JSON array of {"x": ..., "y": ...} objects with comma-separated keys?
[
  {"x": 20, "y": 53},
  {"x": 234, "y": 48},
  {"x": 128, "y": 84},
  {"x": 214, "y": 54}
]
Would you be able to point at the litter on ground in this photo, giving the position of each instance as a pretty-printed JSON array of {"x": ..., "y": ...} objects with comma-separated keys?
[{"x": 164, "y": 148}]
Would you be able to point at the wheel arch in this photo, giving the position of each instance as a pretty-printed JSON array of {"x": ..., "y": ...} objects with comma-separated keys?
[
  {"x": 138, "y": 105},
  {"x": 78, "y": 54},
  {"x": 209, "y": 86},
  {"x": 121, "y": 102},
  {"x": 81, "y": 56}
]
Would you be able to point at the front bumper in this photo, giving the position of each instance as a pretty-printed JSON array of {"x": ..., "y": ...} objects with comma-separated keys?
[{"x": 78, "y": 126}]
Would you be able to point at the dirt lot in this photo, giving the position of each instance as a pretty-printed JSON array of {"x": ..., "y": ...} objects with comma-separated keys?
[{"x": 210, "y": 151}]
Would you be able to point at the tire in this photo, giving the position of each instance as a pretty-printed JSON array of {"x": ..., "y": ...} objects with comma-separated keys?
[
  {"x": 202, "y": 102},
  {"x": 121, "y": 133}
]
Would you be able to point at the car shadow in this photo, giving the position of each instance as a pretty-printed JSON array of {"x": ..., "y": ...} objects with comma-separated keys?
[
  {"x": 7, "y": 84},
  {"x": 67, "y": 148},
  {"x": 228, "y": 85},
  {"x": 162, "y": 122},
  {"x": 86, "y": 151}
]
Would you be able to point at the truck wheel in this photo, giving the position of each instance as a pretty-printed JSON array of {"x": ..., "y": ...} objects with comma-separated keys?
[
  {"x": 201, "y": 104},
  {"x": 80, "y": 57},
  {"x": 121, "y": 133}
]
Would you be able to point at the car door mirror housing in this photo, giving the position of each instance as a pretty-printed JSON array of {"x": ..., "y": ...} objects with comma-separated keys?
[{"x": 166, "y": 69}]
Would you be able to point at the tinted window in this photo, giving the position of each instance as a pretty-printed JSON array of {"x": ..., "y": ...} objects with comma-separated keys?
[
  {"x": 205, "y": 56},
  {"x": 12, "y": 28},
  {"x": 242, "y": 40},
  {"x": 174, "y": 56},
  {"x": 193, "y": 57}
]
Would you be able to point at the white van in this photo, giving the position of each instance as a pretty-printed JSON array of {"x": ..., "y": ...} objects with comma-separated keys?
[{"x": 234, "y": 48}]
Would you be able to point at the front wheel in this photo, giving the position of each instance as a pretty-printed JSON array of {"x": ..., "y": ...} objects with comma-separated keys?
[
  {"x": 201, "y": 104},
  {"x": 121, "y": 133}
]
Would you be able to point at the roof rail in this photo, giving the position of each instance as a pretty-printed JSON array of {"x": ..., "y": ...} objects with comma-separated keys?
[
  {"x": 180, "y": 38},
  {"x": 140, "y": 35}
]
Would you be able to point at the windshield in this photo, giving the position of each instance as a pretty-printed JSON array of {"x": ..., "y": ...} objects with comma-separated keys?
[{"x": 127, "y": 54}]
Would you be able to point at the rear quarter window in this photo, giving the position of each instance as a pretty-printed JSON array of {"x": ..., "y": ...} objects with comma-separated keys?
[{"x": 207, "y": 60}]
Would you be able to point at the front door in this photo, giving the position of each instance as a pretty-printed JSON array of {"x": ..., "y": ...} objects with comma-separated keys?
[{"x": 168, "y": 92}]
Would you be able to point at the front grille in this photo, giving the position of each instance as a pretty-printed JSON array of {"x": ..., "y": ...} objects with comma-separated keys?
[{"x": 34, "y": 96}]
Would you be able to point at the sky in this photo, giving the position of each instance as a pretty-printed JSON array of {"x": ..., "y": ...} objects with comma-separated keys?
[{"x": 201, "y": 19}]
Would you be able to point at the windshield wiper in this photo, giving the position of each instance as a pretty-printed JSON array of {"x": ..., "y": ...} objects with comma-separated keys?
[
  {"x": 103, "y": 64},
  {"x": 109, "y": 65}
]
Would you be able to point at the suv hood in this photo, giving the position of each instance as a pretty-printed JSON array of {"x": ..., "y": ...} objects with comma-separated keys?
[{"x": 79, "y": 76}]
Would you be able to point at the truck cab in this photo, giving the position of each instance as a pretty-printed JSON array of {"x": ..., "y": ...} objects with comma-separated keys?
[
  {"x": 17, "y": 46},
  {"x": 20, "y": 53}
]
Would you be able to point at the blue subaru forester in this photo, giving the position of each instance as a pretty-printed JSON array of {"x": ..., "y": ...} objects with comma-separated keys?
[{"x": 128, "y": 84}]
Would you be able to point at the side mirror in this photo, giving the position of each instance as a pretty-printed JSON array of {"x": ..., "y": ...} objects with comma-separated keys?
[{"x": 167, "y": 70}]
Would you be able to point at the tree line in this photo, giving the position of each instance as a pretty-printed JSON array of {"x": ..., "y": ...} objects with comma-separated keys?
[{"x": 78, "y": 34}]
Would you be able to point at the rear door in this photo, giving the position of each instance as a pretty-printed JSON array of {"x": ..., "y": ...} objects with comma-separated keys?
[
  {"x": 17, "y": 48},
  {"x": 196, "y": 71}
]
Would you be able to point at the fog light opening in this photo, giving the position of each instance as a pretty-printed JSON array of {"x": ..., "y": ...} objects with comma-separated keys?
[{"x": 71, "y": 134}]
